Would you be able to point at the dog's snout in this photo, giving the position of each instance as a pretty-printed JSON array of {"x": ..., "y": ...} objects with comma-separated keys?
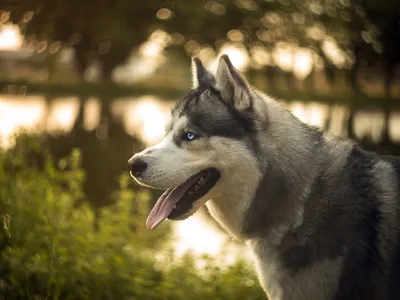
[{"x": 137, "y": 166}]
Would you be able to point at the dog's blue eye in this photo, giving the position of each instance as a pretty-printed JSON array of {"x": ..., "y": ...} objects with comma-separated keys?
[{"x": 189, "y": 136}]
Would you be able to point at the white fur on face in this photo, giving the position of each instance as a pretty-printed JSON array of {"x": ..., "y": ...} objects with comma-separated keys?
[{"x": 169, "y": 165}]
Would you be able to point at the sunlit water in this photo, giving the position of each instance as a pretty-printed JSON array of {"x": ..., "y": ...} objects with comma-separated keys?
[{"x": 146, "y": 117}]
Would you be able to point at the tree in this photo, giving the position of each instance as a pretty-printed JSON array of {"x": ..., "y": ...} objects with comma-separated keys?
[
  {"x": 108, "y": 30},
  {"x": 104, "y": 30}
]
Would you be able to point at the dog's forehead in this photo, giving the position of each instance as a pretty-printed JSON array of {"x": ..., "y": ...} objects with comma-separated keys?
[
  {"x": 206, "y": 111},
  {"x": 178, "y": 123},
  {"x": 196, "y": 99},
  {"x": 201, "y": 107}
]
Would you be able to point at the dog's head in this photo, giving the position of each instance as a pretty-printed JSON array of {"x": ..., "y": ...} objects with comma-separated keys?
[{"x": 211, "y": 136}]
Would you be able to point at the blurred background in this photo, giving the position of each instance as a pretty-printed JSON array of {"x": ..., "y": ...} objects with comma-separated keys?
[{"x": 85, "y": 84}]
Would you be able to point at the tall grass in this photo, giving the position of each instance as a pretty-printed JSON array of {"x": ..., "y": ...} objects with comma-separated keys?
[{"x": 49, "y": 249}]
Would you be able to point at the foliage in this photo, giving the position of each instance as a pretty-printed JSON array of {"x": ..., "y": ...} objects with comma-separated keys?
[
  {"x": 49, "y": 249},
  {"x": 366, "y": 31}
]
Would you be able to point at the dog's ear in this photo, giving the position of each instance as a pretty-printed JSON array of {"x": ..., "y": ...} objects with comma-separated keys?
[
  {"x": 201, "y": 77},
  {"x": 232, "y": 85}
]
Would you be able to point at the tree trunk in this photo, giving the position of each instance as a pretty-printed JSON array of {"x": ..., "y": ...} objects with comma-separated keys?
[
  {"x": 350, "y": 122},
  {"x": 82, "y": 57},
  {"x": 354, "y": 70},
  {"x": 389, "y": 78},
  {"x": 270, "y": 73}
]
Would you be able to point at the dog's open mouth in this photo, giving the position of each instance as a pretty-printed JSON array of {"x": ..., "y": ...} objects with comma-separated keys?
[{"x": 177, "y": 201}]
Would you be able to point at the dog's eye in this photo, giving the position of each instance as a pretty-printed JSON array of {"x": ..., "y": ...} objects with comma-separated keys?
[{"x": 188, "y": 136}]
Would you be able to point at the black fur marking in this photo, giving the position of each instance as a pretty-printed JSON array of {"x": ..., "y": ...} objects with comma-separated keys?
[
  {"x": 361, "y": 271},
  {"x": 300, "y": 249},
  {"x": 186, "y": 100},
  {"x": 394, "y": 265},
  {"x": 246, "y": 118},
  {"x": 272, "y": 193},
  {"x": 394, "y": 272},
  {"x": 177, "y": 140},
  {"x": 276, "y": 192},
  {"x": 235, "y": 124},
  {"x": 215, "y": 117}
]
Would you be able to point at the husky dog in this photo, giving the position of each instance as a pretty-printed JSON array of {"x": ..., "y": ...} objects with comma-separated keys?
[{"x": 321, "y": 215}]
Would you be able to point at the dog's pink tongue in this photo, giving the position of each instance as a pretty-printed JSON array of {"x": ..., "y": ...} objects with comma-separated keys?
[
  {"x": 165, "y": 204},
  {"x": 160, "y": 211}
]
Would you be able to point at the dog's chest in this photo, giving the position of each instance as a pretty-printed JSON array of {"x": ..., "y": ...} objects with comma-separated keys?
[
  {"x": 319, "y": 281},
  {"x": 230, "y": 218},
  {"x": 270, "y": 272}
]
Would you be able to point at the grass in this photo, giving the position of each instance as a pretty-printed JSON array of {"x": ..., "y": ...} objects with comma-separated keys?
[{"x": 50, "y": 250}]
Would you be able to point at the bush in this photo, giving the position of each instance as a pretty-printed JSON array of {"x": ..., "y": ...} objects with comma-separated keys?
[{"x": 50, "y": 250}]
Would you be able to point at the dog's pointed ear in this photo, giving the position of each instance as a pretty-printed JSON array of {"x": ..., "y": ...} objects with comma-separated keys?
[
  {"x": 232, "y": 85},
  {"x": 201, "y": 77}
]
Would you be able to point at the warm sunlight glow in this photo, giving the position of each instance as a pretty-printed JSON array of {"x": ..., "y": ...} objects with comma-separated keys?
[
  {"x": 369, "y": 124},
  {"x": 318, "y": 113},
  {"x": 303, "y": 63},
  {"x": 199, "y": 236},
  {"x": 91, "y": 114},
  {"x": 17, "y": 113},
  {"x": 144, "y": 63},
  {"x": 260, "y": 57},
  {"x": 152, "y": 130},
  {"x": 337, "y": 116},
  {"x": 145, "y": 117},
  {"x": 312, "y": 113},
  {"x": 297, "y": 109},
  {"x": 292, "y": 58},
  {"x": 332, "y": 50},
  {"x": 238, "y": 56},
  {"x": 156, "y": 43},
  {"x": 283, "y": 56},
  {"x": 62, "y": 115},
  {"x": 394, "y": 126},
  {"x": 10, "y": 37}
]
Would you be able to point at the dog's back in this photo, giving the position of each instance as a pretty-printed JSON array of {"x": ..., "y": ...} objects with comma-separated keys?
[
  {"x": 368, "y": 227},
  {"x": 381, "y": 262}
]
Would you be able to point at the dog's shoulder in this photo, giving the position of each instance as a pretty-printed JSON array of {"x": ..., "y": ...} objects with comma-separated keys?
[{"x": 392, "y": 160}]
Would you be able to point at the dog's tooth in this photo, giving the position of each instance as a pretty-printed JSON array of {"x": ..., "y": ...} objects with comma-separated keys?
[{"x": 202, "y": 181}]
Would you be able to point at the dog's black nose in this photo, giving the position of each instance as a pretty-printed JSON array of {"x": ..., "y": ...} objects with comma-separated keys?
[{"x": 137, "y": 166}]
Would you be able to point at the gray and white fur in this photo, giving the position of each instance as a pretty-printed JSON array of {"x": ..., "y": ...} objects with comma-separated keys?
[{"x": 320, "y": 214}]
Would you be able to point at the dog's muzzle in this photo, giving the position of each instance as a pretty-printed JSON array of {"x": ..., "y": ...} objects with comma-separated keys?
[{"x": 137, "y": 165}]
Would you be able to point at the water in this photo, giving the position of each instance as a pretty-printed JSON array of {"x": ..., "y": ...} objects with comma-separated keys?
[{"x": 116, "y": 125}]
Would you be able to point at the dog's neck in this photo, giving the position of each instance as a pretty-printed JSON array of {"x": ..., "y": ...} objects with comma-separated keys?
[
  {"x": 262, "y": 203},
  {"x": 230, "y": 209}
]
